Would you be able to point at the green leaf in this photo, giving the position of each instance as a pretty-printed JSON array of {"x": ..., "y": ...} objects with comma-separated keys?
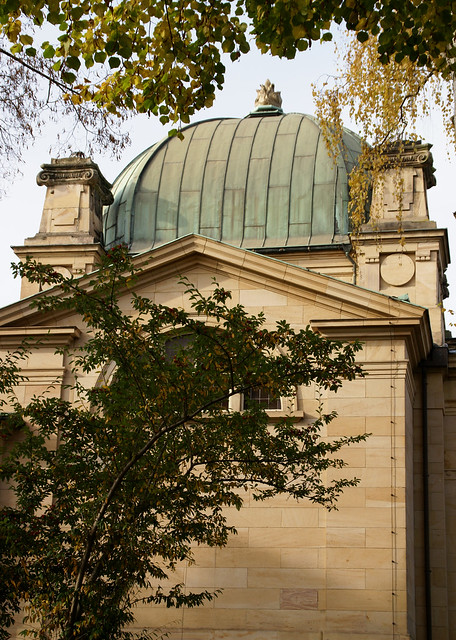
[
  {"x": 362, "y": 36},
  {"x": 227, "y": 45},
  {"x": 385, "y": 38},
  {"x": 114, "y": 62},
  {"x": 99, "y": 9},
  {"x": 72, "y": 62},
  {"x": 88, "y": 61},
  {"x": 76, "y": 12},
  {"x": 125, "y": 52},
  {"x": 38, "y": 18},
  {"x": 25, "y": 39},
  {"x": 54, "y": 17},
  {"x": 100, "y": 56},
  {"x": 49, "y": 52},
  {"x": 68, "y": 77},
  {"x": 111, "y": 46}
]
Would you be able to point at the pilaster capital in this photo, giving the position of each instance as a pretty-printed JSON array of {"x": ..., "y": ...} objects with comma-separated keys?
[{"x": 75, "y": 170}]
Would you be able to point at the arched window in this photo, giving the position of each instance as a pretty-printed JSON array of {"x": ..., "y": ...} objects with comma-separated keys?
[{"x": 178, "y": 343}]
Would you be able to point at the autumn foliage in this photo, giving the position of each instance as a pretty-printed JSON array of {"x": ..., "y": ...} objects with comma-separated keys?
[{"x": 166, "y": 57}]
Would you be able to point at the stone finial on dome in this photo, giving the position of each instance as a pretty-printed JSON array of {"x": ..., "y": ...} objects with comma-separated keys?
[{"x": 267, "y": 96}]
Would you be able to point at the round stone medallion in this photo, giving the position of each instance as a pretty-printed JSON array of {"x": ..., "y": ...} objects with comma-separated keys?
[{"x": 397, "y": 269}]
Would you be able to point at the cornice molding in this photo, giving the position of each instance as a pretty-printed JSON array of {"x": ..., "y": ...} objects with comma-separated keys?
[
  {"x": 49, "y": 336},
  {"x": 75, "y": 170},
  {"x": 414, "y": 332}
]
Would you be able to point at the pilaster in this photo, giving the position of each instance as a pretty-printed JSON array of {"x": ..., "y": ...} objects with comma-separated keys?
[
  {"x": 400, "y": 251},
  {"x": 69, "y": 237}
]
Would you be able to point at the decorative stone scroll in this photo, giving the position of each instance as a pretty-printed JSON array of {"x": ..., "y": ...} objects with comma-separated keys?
[
  {"x": 412, "y": 154},
  {"x": 75, "y": 170}
]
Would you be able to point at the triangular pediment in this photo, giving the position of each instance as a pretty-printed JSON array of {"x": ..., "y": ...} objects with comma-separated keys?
[
  {"x": 326, "y": 296},
  {"x": 283, "y": 291}
]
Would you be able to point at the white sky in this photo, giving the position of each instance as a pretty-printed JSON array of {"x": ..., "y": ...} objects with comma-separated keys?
[{"x": 20, "y": 210}]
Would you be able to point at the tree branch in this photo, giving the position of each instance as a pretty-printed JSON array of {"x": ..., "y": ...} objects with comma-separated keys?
[
  {"x": 113, "y": 490},
  {"x": 60, "y": 85}
]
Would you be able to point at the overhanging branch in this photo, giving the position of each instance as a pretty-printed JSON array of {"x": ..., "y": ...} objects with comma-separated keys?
[{"x": 46, "y": 76}]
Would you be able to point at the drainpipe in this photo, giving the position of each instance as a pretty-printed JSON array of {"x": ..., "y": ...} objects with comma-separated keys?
[{"x": 426, "y": 523}]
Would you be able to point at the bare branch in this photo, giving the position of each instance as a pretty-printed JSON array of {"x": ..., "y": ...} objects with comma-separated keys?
[{"x": 57, "y": 83}]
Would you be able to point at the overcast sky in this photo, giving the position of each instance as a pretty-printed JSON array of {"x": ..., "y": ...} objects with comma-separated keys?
[{"x": 20, "y": 211}]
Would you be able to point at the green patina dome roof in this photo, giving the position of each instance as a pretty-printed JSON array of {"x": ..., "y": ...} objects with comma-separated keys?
[{"x": 262, "y": 181}]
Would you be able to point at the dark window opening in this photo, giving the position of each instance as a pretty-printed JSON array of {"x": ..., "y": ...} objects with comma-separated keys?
[
  {"x": 176, "y": 344},
  {"x": 263, "y": 398},
  {"x": 179, "y": 343}
]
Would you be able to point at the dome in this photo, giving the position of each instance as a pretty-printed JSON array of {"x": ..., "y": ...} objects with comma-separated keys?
[{"x": 264, "y": 181}]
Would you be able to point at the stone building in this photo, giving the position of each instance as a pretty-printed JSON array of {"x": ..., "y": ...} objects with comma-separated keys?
[{"x": 257, "y": 203}]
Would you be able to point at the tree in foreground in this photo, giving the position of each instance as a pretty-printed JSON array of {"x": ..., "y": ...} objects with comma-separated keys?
[
  {"x": 165, "y": 57},
  {"x": 100, "y": 59},
  {"x": 32, "y": 96},
  {"x": 114, "y": 488},
  {"x": 386, "y": 102}
]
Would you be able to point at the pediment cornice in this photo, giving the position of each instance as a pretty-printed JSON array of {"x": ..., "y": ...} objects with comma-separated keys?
[{"x": 179, "y": 256}]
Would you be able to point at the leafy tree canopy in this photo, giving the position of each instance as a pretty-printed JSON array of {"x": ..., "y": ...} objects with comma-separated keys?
[
  {"x": 164, "y": 57},
  {"x": 113, "y": 488}
]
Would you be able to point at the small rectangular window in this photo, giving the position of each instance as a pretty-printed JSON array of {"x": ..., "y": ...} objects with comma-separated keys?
[{"x": 263, "y": 398}]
